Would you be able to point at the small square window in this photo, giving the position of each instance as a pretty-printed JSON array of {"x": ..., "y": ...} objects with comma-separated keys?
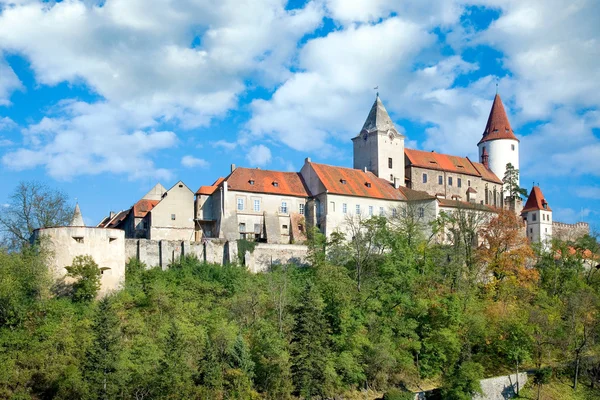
[
  {"x": 389, "y": 163},
  {"x": 172, "y": 217}
]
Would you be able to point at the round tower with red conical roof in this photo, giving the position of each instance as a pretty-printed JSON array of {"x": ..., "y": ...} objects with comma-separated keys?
[{"x": 498, "y": 145}]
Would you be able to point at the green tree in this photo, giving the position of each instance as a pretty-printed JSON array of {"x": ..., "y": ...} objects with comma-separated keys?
[
  {"x": 100, "y": 369},
  {"x": 462, "y": 383},
  {"x": 511, "y": 185},
  {"x": 309, "y": 344},
  {"x": 87, "y": 274},
  {"x": 541, "y": 377}
]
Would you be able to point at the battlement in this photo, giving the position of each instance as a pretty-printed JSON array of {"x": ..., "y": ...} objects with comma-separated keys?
[{"x": 564, "y": 231}]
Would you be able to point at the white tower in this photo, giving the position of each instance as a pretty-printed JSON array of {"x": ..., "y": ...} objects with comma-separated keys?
[
  {"x": 379, "y": 147},
  {"x": 538, "y": 215},
  {"x": 499, "y": 145}
]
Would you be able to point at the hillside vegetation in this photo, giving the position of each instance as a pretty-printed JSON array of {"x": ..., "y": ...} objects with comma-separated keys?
[{"x": 388, "y": 309}]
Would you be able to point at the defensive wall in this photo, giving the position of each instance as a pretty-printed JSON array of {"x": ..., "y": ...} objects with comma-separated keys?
[
  {"x": 160, "y": 253},
  {"x": 496, "y": 388},
  {"x": 563, "y": 231}
]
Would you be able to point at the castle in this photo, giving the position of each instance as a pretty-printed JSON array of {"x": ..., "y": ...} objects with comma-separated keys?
[{"x": 276, "y": 208}]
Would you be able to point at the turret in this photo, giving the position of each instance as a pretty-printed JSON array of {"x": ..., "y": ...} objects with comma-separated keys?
[
  {"x": 538, "y": 216},
  {"x": 77, "y": 219},
  {"x": 498, "y": 145},
  {"x": 379, "y": 147}
]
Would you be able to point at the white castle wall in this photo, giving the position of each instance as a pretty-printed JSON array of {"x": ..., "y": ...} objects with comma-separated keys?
[
  {"x": 105, "y": 246},
  {"x": 500, "y": 153}
]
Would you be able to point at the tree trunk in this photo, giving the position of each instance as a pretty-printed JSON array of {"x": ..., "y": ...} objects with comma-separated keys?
[
  {"x": 539, "y": 389},
  {"x": 517, "y": 378},
  {"x": 576, "y": 372}
]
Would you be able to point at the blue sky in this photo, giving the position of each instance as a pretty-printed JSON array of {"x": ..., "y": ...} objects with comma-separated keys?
[{"x": 102, "y": 99}]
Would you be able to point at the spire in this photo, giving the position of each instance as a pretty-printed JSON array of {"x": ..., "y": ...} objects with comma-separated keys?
[
  {"x": 77, "y": 219},
  {"x": 497, "y": 126},
  {"x": 378, "y": 119},
  {"x": 536, "y": 201}
]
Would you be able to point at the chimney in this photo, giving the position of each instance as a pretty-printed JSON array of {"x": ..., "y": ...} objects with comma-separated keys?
[
  {"x": 396, "y": 183},
  {"x": 112, "y": 214},
  {"x": 232, "y": 167},
  {"x": 307, "y": 160},
  {"x": 365, "y": 170}
]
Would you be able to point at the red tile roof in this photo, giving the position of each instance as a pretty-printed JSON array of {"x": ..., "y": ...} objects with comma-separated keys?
[
  {"x": 265, "y": 181},
  {"x": 497, "y": 126},
  {"x": 142, "y": 207},
  {"x": 208, "y": 190},
  {"x": 536, "y": 201},
  {"x": 115, "y": 220},
  {"x": 448, "y": 163},
  {"x": 355, "y": 182}
]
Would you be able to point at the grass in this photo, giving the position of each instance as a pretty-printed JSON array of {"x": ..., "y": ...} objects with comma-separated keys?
[{"x": 560, "y": 388}]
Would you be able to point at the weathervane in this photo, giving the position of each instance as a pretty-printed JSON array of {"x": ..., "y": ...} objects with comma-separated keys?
[{"x": 376, "y": 88}]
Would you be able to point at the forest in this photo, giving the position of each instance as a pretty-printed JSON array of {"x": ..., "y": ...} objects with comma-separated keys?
[{"x": 387, "y": 313}]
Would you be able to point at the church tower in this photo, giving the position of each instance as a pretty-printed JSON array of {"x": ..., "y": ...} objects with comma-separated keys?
[
  {"x": 379, "y": 147},
  {"x": 538, "y": 216},
  {"x": 499, "y": 145}
]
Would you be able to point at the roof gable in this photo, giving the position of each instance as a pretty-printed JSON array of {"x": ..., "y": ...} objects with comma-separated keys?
[{"x": 536, "y": 201}]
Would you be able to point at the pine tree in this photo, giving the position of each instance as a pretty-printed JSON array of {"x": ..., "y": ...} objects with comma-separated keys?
[
  {"x": 309, "y": 344},
  {"x": 510, "y": 180},
  {"x": 102, "y": 356}
]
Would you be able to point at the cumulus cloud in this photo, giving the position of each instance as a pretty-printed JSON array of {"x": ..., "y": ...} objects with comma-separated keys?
[
  {"x": 9, "y": 82},
  {"x": 183, "y": 63},
  {"x": 259, "y": 155},
  {"x": 193, "y": 162},
  {"x": 588, "y": 192},
  {"x": 224, "y": 144}
]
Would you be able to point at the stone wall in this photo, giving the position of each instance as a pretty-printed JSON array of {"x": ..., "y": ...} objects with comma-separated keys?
[
  {"x": 266, "y": 254},
  {"x": 497, "y": 388},
  {"x": 566, "y": 232},
  {"x": 161, "y": 253}
]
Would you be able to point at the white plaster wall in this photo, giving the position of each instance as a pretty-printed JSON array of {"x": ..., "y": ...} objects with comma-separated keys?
[
  {"x": 105, "y": 246},
  {"x": 374, "y": 152},
  {"x": 540, "y": 230},
  {"x": 501, "y": 153},
  {"x": 179, "y": 201}
]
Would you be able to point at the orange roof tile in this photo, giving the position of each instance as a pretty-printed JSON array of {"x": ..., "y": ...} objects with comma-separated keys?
[
  {"x": 265, "y": 181},
  {"x": 536, "y": 201},
  {"x": 355, "y": 182},
  {"x": 142, "y": 207},
  {"x": 448, "y": 163},
  {"x": 208, "y": 190},
  {"x": 497, "y": 126}
]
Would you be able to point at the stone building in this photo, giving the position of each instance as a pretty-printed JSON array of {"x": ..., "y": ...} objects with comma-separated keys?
[
  {"x": 538, "y": 216},
  {"x": 105, "y": 245}
]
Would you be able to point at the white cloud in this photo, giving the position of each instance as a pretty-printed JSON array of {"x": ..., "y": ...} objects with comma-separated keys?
[
  {"x": 193, "y": 162},
  {"x": 224, "y": 144},
  {"x": 9, "y": 82},
  {"x": 182, "y": 62},
  {"x": 259, "y": 155},
  {"x": 91, "y": 139},
  {"x": 588, "y": 192},
  {"x": 569, "y": 215}
]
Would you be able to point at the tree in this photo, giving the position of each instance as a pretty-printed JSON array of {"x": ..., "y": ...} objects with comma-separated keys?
[
  {"x": 87, "y": 274},
  {"x": 510, "y": 180},
  {"x": 516, "y": 344},
  {"x": 32, "y": 205},
  {"x": 463, "y": 382},
  {"x": 101, "y": 357},
  {"x": 309, "y": 344},
  {"x": 541, "y": 377}
]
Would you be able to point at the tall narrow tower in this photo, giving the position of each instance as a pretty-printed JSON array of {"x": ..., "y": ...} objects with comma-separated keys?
[
  {"x": 538, "y": 215},
  {"x": 499, "y": 145},
  {"x": 379, "y": 147}
]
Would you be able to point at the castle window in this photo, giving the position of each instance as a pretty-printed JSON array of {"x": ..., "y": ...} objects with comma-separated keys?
[
  {"x": 381, "y": 213},
  {"x": 343, "y": 181},
  {"x": 251, "y": 181},
  {"x": 172, "y": 217},
  {"x": 301, "y": 208},
  {"x": 440, "y": 180},
  {"x": 546, "y": 230},
  {"x": 458, "y": 182},
  {"x": 391, "y": 177},
  {"x": 240, "y": 204},
  {"x": 449, "y": 181},
  {"x": 78, "y": 239},
  {"x": 331, "y": 206},
  {"x": 512, "y": 146},
  {"x": 344, "y": 208},
  {"x": 394, "y": 212},
  {"x": 368, "y": 184},
  {"x": 533, "y": 217},
  {"x": 358, "y": 209},
  {"x": 276, "y": 184},
  {"x": 242, "y": 229},
  {"x": 530, "y": 230},
  {"x": 180, "y": 185},
  {"x": 111, "y": 239},
  {"x": 424, "y": 178},
  {"x": 256, "y": 205},
  {"x": 421, "y": 212},
  {"x": 389, "y": 162},
  {"x": 284, "y": 207},
  {"x": 284, "y": 227},
  {"x": 468, "y": 182},
  {"x": 370, "y": 211}
]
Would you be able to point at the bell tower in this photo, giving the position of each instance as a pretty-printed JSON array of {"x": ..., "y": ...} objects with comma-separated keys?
[{"x": 379, "y": 147}]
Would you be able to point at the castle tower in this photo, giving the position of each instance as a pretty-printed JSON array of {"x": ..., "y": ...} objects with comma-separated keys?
[
  {"x": 379, "y": 147},
  {"x": 77, "y": 219},
  {"x": 538, "y": 215},
  {"x": 499, "y": 145}
]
